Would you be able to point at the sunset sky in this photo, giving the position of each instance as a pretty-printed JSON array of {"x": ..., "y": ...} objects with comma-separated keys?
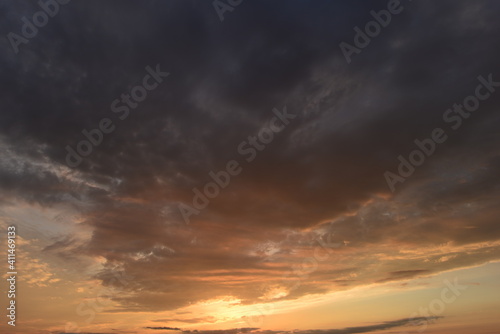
[{"x": 251, "y": 167}]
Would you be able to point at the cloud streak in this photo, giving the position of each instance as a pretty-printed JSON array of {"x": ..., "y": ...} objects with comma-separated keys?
[{"x": 347, "y": 330}]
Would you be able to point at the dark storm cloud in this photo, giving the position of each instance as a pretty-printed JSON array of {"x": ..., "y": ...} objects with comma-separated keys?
[{"x": 352, "y": 123}]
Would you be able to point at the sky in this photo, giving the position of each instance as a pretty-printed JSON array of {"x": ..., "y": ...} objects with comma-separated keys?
[{"x": 250, "y": 167}]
